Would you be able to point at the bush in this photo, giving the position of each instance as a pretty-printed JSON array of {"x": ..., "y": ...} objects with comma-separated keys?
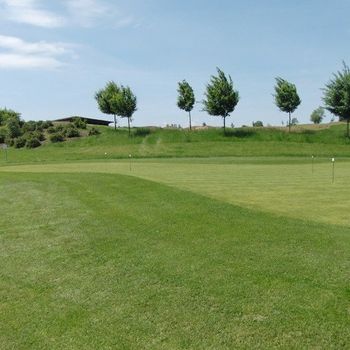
[
  {"x": 47, "y": 124},
  {"x": 33, "y": 142},
  {"x": 79, "y": 123},
  {"x": 94, "y": 131},
  {"x": 258, "y": 124},
  {"x": 72, "y": 132},
  {"x": 29, "y": 126},
  {"x": 57, "y": 137},
  {"x": 3, "y": 133},
  {"x": 142, "y": 131},
  {"x": 20, "y": 142},
  {"x": 51, "y": 129},
  {"x": 38, "y": 135}
]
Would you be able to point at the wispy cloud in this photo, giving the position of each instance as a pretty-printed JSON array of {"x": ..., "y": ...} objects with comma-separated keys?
[
  {"x": 85, "y": 13},
  {"x": 30, "y": 12},
  {"x": 17, "y": 53}
]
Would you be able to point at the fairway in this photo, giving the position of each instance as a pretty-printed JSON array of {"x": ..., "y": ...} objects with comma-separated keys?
[{"x": 175, "y": 254}]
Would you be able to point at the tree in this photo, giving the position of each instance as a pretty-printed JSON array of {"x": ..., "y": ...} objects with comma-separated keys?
[
  {"x": 221, "y": 97},
  {"x": 337, "y": 95},
  {"x": 124, "y": 104},
  {"x": 317, "y": 115},
  {"x": 6, "y": 114},
  {"x": 105, "y": 98},
  {"x": 286, "y": 97},
  {"x": 186, "y": 99},
  {"x": 258, "y": 124}
]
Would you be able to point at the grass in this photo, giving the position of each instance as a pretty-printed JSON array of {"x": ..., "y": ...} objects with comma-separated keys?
[
  {"x": 286, "y": 187},
  {"x": 326, "y": 142},
  {"x": 110, "y": 261},
  {"x": 247, "y": 248}
]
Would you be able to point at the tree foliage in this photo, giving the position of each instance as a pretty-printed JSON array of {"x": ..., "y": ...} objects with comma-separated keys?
[
  {"x": 125, "y": 104},
  {"x": 317, "y": 115},
  {"x": 221, "y": 97},
  {"x": 7, "y": 114},
  {"x": 186, "y": 98},
  {"x": 286, "y": 97},
  {"x": 117, "y": 100},
  {"x": 105, "y": 98},
  {"x": 337, "y": 95}
]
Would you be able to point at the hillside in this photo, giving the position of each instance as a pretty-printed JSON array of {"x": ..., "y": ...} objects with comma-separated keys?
[{"x": 321, "y": 141}]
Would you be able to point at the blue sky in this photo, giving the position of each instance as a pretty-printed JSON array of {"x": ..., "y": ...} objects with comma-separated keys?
[{"x": 54, "y": 55}]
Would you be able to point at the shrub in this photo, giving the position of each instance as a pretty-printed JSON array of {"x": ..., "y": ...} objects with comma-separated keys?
[
  {"x": 142, "y": 131},
  {"x": 20, "y": 142},
  {"x": 79, "y": 123},
  {"x": 72, "y": 132},
  {"x": 13, "y": 128},
  {"x": 57, "y": 137},
  {"x": 47, "y": 124},
  {"x": 29, "y": 126},
  {"x": 94, "y": 131},
  {"x": 3, "y": 133},
  {"x": 32, "y": 142},
  {"x": 51, "y": 129},
  {"x": 38, "y": 135}
]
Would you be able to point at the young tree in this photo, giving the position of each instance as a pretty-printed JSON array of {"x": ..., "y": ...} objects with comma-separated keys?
[
  {"x": 186, "y": 99},
  {"x": 6, "y": 114},
  {"x": 125, "y": 104},
  {"x": 286, "y": 97},
  {"x": 105, "y": 97},
  {"x": 317, "y": 115},
  {"x": 337, "y": 95},
  {"x": 221, "y": 97}
]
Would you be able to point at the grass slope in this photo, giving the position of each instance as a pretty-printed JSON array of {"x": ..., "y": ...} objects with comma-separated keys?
[
  {"x": 108, "y": 261},
  {"x": 201, "y": 143}
]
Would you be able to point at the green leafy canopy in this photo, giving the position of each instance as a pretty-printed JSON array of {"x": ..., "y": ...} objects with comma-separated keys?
[
  {"x": 337, "y": 94},
  {"x": 221, "y": 97},
  {"x": 286, "y": 96},
  {"x": 186, "y": 98}
]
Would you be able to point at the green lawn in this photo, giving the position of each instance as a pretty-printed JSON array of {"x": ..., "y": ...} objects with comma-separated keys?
[
  {"x": 214, "y": 253},
  {"x": 242, "y": 142}
]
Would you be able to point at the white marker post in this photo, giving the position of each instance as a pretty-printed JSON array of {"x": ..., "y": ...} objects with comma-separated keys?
[
  {"x": 130, "y": 162},
  {"x": 333, "y": 161}
]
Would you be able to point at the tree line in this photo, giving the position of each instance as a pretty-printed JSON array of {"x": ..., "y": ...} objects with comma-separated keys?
[{"x": 221, "y": 98}]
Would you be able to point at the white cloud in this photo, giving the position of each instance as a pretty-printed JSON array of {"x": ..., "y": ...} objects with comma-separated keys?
[
  {"x": 18, "y": 61},
  {"x": 85, "y": 13},
  {"x": 18, "y": 53},
  {"x": 28, "y": 12}
]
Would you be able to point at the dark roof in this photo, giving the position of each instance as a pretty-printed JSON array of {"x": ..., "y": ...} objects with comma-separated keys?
[{"x": 91, "y": 121}]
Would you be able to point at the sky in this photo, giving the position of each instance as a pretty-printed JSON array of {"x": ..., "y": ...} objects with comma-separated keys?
[{"x": 55, "y": 54}]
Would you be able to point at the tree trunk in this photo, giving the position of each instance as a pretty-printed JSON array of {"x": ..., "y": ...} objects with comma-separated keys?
[
  {"x": 189, "y": 118},
  {"x": 115, "y": 122},
  {"x": 347, "y": 128},
  {"x": 290, "y": 121},
  {"x": 129, "y": 126},
  {"x": 225, "y": 125}
]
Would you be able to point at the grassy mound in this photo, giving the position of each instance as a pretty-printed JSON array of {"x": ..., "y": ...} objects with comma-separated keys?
[{"x": 303, "y": 141}]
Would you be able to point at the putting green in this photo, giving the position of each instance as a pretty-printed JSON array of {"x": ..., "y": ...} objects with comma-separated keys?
[{"x": 288, "y": 188}]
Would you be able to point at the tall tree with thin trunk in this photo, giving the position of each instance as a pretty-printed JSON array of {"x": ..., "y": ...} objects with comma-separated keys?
[
  {"x": 286, "y": 98},
  {"x": 221, "y": 97},
  {"x": 105, "y": 98},
  {"x": 337, "y": 95},
  {"x": 186, "y": 99}
]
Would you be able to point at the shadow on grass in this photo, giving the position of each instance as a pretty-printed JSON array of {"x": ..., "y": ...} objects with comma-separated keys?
[{"x": 241, "y": 133}]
